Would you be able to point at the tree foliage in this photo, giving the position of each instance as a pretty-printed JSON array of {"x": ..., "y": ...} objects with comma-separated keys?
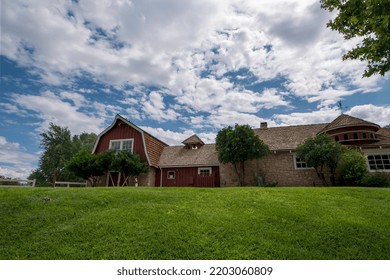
[
  {"x": 90, "y": 166},
  {"x": 56, "y": 143},
  {"x": 129, "y": 164},
  {"x": 352, "y": 167},
  {"x": 320, "y": 152},
  {"x": 58, "y": 149},
  {"x": 369, "y": 20},
  {"x": 237, "y": 145}
]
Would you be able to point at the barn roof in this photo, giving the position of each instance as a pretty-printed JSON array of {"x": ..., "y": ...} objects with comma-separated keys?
[{"x": 172, "y": 156}]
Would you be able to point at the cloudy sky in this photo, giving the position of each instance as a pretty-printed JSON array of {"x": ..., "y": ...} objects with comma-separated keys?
[{"x": 172, "y": 67}]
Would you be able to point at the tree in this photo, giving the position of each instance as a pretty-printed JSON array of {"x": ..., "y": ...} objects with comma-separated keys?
[
  {"x": 129, "y": 165},
  {"x": 369, "y": 20},
  {"x": 40, "y": 178},
  {"x": 352, "y": 167},
  {"x": 237, "y": 145},
  {"x": 58, "y": 148},
  {"x": 56, "y": 143},
  {"x": 320, "y": 152},
  {"x": 90, "y": 166},
  {"x": 84, "y": 141}
]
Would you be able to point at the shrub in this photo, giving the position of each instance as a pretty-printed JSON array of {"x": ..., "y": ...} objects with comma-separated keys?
[
  {"x": 375, "y": 181},
  {"x": 352, "y": 168}
]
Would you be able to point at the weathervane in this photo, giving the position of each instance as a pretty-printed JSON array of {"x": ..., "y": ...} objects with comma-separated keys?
[{"x": 341, "y": 107}]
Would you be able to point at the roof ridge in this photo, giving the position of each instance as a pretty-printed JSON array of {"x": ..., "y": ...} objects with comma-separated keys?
[{"x": 295, "y": 125}]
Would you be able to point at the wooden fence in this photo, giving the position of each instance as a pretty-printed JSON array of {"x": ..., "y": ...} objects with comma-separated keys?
[
  {"x": 17, "y": 183},
  {"x": 68, "y": 184}
]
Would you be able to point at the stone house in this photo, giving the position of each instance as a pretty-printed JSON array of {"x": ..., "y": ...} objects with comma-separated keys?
[{"x": 196, "y": 163}]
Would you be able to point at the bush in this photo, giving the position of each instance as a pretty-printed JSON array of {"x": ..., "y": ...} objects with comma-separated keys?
[
  {"x": 352, "y": 168},
  {"x": 375, "y": 181}
]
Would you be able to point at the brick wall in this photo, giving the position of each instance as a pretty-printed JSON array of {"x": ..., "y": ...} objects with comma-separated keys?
[{"x": 277, "y": 167}]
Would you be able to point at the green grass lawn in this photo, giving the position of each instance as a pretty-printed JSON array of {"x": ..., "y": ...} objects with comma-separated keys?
[{"x": 195, "y": 223}]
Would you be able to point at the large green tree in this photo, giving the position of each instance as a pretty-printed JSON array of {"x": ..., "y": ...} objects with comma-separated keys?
[
  {"x": 237, "y": 145},
  {"x": 58, "y": 149},
  {"x": 320, "y": 152},
  {"x": 369, "y": 20}
]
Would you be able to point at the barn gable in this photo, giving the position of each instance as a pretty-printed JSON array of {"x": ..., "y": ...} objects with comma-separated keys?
[{"x": 145, "y": 145}]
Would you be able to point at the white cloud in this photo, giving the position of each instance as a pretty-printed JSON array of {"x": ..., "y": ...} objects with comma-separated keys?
[
  {"x": 324, "y": 115},
  {"x": 58, "y": 109},
  {"x": 376, "y": 114},
  {"x": 155, "y": 108},
  {"x": 170, "y": 43},
  {"x": 15, "y": 161},
  {"x": 189, "y": 52}
]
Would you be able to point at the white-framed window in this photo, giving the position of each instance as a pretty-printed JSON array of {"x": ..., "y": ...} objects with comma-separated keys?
[
  {"x": 204, "y": 171},
  {"x": 300, "y": 163},
  {"x": 171, "y": 175},
  {"x": 379, "y": 162},
  {"x": 122, "y": 145}
]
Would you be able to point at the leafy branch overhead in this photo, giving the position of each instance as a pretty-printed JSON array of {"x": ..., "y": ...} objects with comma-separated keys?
[{"x": 369, "y": 20}]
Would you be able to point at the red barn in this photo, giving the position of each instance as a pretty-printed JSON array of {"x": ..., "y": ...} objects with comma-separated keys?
[
  {"x": 194, "y": 164},
  {"x": 124, "y": 135}
]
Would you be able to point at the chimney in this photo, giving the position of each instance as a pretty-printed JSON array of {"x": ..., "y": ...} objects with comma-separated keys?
[{"x": 263, "y": 125}]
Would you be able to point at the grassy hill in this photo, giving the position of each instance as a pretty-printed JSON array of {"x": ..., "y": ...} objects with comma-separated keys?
[{"x": 189, "y": 223}]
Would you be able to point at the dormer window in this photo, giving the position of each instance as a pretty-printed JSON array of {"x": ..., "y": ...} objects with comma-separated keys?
[{"x": 193, "y": 143}]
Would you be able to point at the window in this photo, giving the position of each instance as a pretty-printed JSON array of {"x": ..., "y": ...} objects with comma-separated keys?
[
  {"x": 204, "y": 171},
  {"x": 378, "y": 162},
  {"x": 345, "y": 136},
  {"x": 122, "y": 145},
  {"x": 300, "y": 163},
  {"x": 336, "y": 138},
  {"x": 364, "y": 135},
  {"x": 194, "y": 147},
  {"x": 171, "y": 175},
  {"x": 355, "y": 136}
]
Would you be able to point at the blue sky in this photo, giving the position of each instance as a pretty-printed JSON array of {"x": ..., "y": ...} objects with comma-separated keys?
[{"x": 172, "y": 67}]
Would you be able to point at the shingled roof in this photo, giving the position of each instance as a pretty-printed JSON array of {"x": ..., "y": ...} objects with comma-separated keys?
[
  {"x": 194, "y": 139},
  {"x": 346, "y": 120},
  {"x": 181, "y": 156},
  {"x": 287, "y": 137},
  {"x": 383, "y": 136}
]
